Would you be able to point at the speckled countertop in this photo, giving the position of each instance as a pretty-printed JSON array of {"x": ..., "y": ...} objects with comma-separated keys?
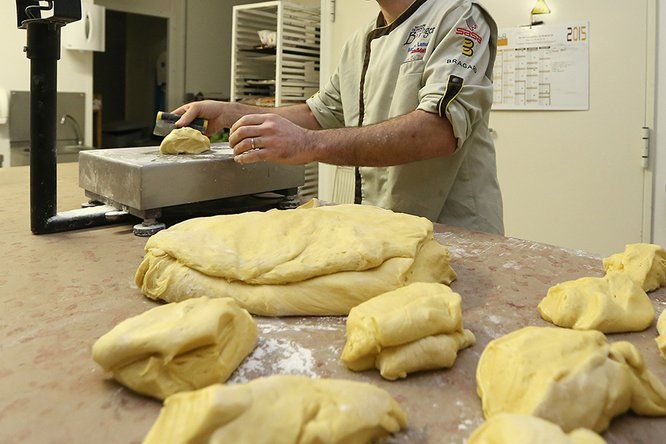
[{"x": 59, "y": 293}]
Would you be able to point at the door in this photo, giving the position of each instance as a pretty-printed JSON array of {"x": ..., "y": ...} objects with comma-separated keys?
[{"x": 575, "y": 179}]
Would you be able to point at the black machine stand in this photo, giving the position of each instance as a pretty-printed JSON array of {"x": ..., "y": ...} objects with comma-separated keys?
[{"x": 43, "y": 50}]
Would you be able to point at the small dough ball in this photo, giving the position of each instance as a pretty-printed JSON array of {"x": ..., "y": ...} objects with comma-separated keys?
[
  {"x": 611, "y": 304},
  {"x": 279, "y": 410},
  {"x": 661, "y": 328},
  {"x": 417, "y": 327},
  {"x": 644, "y": 263},
  {"x": 179, "y": 346},
  {"x": 508, "y": 428},
  {"x": 575, "y": 379},
  {"x": 185, "y": 140}
]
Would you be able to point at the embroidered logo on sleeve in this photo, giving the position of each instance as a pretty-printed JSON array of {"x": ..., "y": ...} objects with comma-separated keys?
[
  {"x": 419, "y": 32},
  {"x": 464, "y": 65},
  {"x": 417, "y": 42},
  {"x": 468, "y": 47},
  {"x": 471, "y": 34}
]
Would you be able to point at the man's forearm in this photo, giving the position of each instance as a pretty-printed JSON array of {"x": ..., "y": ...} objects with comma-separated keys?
[
  {"x": 299, "y": 114},
  {"x": 412, "y": 137}
]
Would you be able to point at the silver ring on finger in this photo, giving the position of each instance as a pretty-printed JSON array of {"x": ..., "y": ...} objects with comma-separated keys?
[{"x": 254, "y": 147}]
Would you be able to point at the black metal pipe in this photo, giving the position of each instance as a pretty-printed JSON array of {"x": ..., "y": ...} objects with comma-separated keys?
[{"x": 43, "y": 50}]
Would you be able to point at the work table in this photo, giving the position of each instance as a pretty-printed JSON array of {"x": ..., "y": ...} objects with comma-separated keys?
[{"x": 60, "y": 292}]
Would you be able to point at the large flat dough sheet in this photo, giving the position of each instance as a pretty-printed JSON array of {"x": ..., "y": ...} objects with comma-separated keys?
[{"x": 316, "y": 261}]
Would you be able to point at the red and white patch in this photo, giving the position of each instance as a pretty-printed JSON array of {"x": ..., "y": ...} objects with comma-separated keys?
[{"x": 471, "y": 34}]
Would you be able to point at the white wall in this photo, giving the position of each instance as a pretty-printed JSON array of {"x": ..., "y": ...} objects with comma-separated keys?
[
  {"x": 74, "y": 70},
  {"x": 659, "y": 226}
]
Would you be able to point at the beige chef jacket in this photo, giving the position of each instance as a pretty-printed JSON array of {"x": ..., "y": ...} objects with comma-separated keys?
[{"x": 437, "y": 56}]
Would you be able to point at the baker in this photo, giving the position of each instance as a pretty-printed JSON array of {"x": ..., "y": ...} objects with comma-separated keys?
[{"x": 408, "y": 106}]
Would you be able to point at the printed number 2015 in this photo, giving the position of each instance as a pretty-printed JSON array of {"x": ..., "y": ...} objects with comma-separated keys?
[{"x": 577, "y": 34}]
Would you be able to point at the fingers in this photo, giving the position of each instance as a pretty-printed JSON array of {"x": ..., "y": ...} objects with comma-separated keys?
[
  {"x": 245, "y": 132},
  {"x": 252, "y": 157},
  {"x": 245, "y": 145},
  {"x": 252, "y": 119},
  {"x": 251, "y": 126},
  {"x": 180, "y": 111},
  {"x": 191, "y": 112}
]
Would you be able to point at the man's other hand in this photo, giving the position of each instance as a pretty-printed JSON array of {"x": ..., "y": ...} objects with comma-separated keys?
[{"x": 272, "y": 138}]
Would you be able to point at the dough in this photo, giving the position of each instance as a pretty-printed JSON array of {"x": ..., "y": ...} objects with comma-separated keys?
[
  {"x": 313, "y": 261},
  {"x": 178, "y": 347},
  {"x": 611, "y": 304},
  {"x": 417, "y": 327},
  {"x": 279, "y": 410},
  {"x": 280, "y": 247},
  {"x": 185, "y": 140},
  {"x": 644, "y": 263},
  {"x": 575, "y": 379},
  {"x": 429, "y": 353},
  {"x": 661, "y": 328},
  {"x": 508, "y": 428}
]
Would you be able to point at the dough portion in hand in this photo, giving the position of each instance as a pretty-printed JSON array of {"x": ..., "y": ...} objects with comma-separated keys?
[
  {"x": 661, "y": 328},
  {"x": 179, "y": 346},
  {"x": 279, "y": 410},
  {"x": 644, "y": 263},
  {"x": 417, "y": 327},
  {"x": 185, "y": 140},
  {"x": 611, "y": 304},
  {"x": 316, "y": 261},
  {"x": 575, "y": 379},
  {"x": 508, "y": 428}
]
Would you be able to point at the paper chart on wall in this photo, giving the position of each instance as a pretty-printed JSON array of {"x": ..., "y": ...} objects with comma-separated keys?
[{"x": 544, "y": 67}]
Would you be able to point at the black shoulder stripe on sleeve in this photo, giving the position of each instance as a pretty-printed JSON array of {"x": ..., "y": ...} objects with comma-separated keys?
[{"x": 453, "y": 88}]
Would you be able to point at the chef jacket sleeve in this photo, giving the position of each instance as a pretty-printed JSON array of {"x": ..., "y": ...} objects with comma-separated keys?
[
  {"x": 457, "y": 77},
  {"x": 326, "y": 105}
]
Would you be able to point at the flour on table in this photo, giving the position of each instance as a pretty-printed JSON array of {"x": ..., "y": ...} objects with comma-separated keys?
[
  {"x": 512, "y": 265},
  {"x": 275, "y": 325},
  {"x": 581, "y": 253},
  {"x": 275, "y": 356}
]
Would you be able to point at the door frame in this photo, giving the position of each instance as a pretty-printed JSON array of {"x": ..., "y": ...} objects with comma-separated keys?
[
  {"x": 647, "y": 234},
  {"x": 326, "y": 172}
]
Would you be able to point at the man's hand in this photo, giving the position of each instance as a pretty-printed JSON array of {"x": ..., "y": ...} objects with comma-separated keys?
[
  {"x": 210, "y": 110},
  {"x": 223, "y": 114},
  {"x": 269, "y": 137}
]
